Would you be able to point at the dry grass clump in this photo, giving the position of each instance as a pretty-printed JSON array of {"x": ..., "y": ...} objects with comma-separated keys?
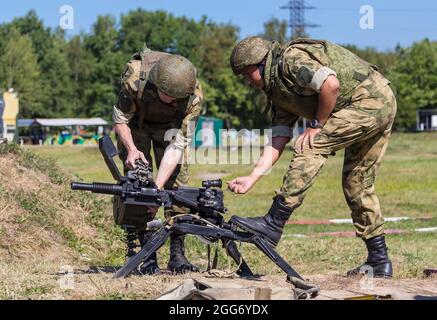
[{"x": 44, "y": 225}]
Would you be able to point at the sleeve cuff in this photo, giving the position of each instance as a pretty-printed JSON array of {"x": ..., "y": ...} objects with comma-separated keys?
[
  {"x": 320, "y": 77},
  {"x": 180, "y": 141},
  {"x": 282, "y": 131},
  {"x": 120, "y": 117}
]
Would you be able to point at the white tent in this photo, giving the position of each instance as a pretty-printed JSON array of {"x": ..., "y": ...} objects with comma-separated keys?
[{"x": 64, "y": 122}]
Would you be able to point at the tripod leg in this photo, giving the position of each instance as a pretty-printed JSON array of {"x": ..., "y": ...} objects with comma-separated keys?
[
  {"x": 275, "y": 257},
  {"x": 232, "y": 250},
  {"x": 303, "y": 289},
  {"x": 155, "y": 242}
]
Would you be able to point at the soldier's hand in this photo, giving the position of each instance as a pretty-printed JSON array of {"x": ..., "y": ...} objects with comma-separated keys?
[
  {"x": 241, "y": 184},
  {"x": 132, "y": 156},
  {"x": 306, "y": 140}
]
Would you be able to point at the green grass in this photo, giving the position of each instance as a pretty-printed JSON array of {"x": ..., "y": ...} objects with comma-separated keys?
[
  {"x": 86, "y": 162},
  {"x": 406, "y": 186},
  {"x": 43, "y": 207}
]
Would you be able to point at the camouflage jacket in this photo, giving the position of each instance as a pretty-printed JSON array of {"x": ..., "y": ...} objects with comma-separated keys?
[
  {"x": 140, "y": 106},
  {"x": 295, "y": 74}
]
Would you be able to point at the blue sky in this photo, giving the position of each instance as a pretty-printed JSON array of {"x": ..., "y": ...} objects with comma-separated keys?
[{"x": 395, "y": 22}]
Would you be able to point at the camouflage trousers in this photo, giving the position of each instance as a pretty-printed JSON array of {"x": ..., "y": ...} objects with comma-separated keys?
[
  {"x": 363, "y": 130},
  {"x": 150, "y": 137}
]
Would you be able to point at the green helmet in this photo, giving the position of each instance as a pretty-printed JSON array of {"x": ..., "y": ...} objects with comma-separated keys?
[
  {"x": 175, "y": 76},
  {"x": 249, "y": 51}
]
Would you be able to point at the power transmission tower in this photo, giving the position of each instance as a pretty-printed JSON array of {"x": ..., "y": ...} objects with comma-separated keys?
[{"x": 297, "y": 22}]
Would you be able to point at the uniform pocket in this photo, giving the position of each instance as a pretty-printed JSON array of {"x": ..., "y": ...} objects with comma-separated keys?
[
  {"x": 347, "y": 122},
  {"x": 361, "y": 92},
  {"x": 335, "y": 124}
]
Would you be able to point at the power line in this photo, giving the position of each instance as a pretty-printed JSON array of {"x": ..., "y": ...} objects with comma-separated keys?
[
  {"x": 297, "y": 21},
  {"x": 351, "y": 29},
  {"x": 380, "y": 9}
]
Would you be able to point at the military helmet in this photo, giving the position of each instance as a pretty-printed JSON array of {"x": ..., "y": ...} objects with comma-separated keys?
[
  {"x": 249, "y": 51},
  {"x": 175, "y": 76}
]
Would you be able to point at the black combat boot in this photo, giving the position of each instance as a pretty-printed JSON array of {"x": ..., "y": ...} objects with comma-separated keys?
[
  {"x": 149, "y": 266},
  {"x": 178, "y": 263},
  {"x": 377, "y": 259},
  {"x": 271, "y": 225}
]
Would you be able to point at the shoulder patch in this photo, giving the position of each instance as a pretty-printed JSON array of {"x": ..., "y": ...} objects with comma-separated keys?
[{"x": 304, "y": 75}]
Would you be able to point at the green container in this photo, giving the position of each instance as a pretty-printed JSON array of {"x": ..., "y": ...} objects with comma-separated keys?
[{"x": 208, "y": 132}]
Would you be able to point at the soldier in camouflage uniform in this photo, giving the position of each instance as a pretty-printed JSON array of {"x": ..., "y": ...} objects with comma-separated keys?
[
  {"x": 159, "y": 92},
  {"x": 350, "y": 105}
]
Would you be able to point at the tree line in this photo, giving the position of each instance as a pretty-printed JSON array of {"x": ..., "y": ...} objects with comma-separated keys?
[{"x": 79, "y": 76}]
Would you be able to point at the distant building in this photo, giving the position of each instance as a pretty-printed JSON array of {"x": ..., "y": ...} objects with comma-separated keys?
[
  {"x": 62, "y": 131},
  {"x": 8, "y": 115},
  {"x": 426, "y": 119}
]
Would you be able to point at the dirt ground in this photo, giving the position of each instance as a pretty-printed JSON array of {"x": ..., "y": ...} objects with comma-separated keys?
[
  {"x": 99, "y": 283},
  {"x": 339, "y": 287}
]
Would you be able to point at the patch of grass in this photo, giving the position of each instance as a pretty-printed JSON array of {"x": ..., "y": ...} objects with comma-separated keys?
[
  {"x": 86, "y": 163},
  {"x": 31, "y": 160},
  {"x": 47, "y": 216},
  {"x": 44, "y": 206},
  {"x": 35, "y": 204},
  {"x": 111, "y": 296},
  {"x": 99, "y": 216},
  {"x": 37, "y": 290}
]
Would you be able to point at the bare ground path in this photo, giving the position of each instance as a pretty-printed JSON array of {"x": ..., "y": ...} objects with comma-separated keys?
[{"x": 333, "y": 287}]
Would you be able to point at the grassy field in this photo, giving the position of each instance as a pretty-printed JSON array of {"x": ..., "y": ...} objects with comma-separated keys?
[{"x": 406, "y": 186}]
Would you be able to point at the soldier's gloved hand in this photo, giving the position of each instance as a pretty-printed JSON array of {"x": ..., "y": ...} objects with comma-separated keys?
[
  {"x": 306, "y": 140},
  {"x": 132, "y": 156}
]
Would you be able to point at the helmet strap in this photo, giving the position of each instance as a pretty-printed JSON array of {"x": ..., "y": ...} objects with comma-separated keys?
[{"x": 261, "y": 67}]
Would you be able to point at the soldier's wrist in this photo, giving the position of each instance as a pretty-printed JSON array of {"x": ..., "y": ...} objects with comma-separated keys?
[
  {"x": 316, "y": 124},
  {"x": 255, "y": 176},
  {"x": 131, "y": 149}
]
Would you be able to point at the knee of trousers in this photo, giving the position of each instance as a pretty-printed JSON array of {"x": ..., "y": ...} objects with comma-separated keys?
[
  {"x": 353, "y": 190},
  {"x": 357, "y": 185},
  {"x": 300, "y": 176},
  {"x": 362, "y": 175}
]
